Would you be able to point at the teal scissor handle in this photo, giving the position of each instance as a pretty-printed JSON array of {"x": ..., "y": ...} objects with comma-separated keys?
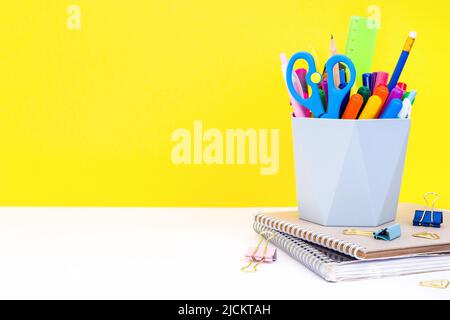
[
  {"x": 335, "y": 95},
  {"x": 313, "y": 103}
]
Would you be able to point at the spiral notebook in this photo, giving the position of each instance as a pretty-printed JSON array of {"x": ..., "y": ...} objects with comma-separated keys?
[
  {"x": 360, "y": 247},
  {"x": 335, "y": 267}
]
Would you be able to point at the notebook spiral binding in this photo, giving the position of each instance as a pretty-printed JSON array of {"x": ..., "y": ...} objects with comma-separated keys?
[
  {"x": 345, "y": 247},
  {"x": 300, "y": 250}
]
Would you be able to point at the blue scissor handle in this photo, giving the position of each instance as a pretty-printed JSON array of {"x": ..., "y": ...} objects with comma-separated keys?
[
  {"x": 336, "y": 96},
  {"x": 313, "y": 103}
]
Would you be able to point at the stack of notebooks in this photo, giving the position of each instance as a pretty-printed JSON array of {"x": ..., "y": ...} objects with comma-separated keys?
[{"x": 338, "y": 257}]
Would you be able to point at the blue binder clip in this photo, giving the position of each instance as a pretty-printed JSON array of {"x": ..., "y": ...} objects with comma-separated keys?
[
  {"x": 389, "y": 233},
  {"x": 428, "y": 218}
]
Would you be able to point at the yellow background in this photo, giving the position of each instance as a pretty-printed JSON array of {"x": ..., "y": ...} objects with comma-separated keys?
[{"x": 86, "y": 115}]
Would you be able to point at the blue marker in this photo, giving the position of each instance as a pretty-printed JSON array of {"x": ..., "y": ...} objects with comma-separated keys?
[
  {"x": 392, "y": 110},
  {"x": 366, "y": 79}
]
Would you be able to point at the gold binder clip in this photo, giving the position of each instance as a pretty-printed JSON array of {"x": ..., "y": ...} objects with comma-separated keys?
[
  {"x": 439, "y": 284},
  {"x": 388, "y": 234},
  {"x": 256, "y": 256},
  {"x": 426, "y": 235}
]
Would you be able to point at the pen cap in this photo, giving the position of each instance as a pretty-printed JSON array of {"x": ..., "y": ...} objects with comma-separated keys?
[
  {"x": 396, "y": 93},
  {"x": 366, "y": 79},
  {"x": 365, "y": 93},
  {"x": 382, "y": 79},
  {"x": 405, "y": 112},
  {"x": 412, "y": 96},
  {"x": 372, "y": 108},
  {"x": 373, "y": 81},
  {"x": 354, "y": 105},
  {"x": 402, "y": 85},
  {"x": 392, "y": 110},
  {"x": 383, "y": 92}
]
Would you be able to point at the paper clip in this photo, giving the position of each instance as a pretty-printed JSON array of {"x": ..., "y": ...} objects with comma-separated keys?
[
  {"x": 439, "y": 284},
  {"x": 428, "y": 218},
  {"x": 387, "y": 234},
  {"x": 257, "y": 255},
  {"x": 427, "y": 235}
]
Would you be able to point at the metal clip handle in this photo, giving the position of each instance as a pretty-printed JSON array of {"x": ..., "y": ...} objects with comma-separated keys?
[{"x": 270, "y": 236}]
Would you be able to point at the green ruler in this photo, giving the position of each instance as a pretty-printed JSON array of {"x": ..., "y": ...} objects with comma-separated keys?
[{"x": 360, "y": 47}]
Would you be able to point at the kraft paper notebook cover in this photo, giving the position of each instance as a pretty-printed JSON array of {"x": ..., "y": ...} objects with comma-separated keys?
[{"x": 361, "y": 247}]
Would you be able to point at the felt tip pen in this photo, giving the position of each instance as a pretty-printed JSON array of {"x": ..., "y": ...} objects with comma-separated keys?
[
  {"x": 405, "y": 112},
  {"x": 354, "y": 105},
  {"x": 402, "y": 60},
  {"x": 373, "y": 80},
  {"x": 396, "y": 93},
  {"x": 392, "y": 110},
  {"x": 383, "y": 92},
  {"x": 366, "y": 79},
  {"x": 382, "y": 79},
  {"x": 372, "y": 108},
  {"x": 402, "y": 86}
]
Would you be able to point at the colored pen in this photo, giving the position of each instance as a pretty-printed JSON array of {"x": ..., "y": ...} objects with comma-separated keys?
[
  {"x": 382, "y": 79},
  {"x": 373, "y": 80},
  {"x": 402, "y": 60},
  {"x": 402, "y": 86},
  {"x": 322, "y": 98},
  {"x": 366, "y": 79},
  {"x": 392, "y": 110},
  {"x": 383, "y": 92},
  {"x": 354, "y": 105},
  {"x": 372, "y": 108},
  {"x": 396, "y": 93},
  {"x": 405, "y": 112},
  {"x": 365, "y": 93},
  {"x": 299, "y": 110},
  {"x": 412, "y": 96}
]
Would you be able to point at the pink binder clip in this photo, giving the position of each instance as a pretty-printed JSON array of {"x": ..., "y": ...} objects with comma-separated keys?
[{"x": 258, "y": 254}]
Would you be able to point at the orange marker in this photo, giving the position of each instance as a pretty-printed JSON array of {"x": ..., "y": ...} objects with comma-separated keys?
[
  {"x": 353, "y": 106},
  {"x": 383, "y": 93},
  {"x": 373, "y": 107}
]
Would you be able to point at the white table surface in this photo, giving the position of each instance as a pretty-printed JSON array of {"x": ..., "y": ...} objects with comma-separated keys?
[{"x": 161, "y": 253}]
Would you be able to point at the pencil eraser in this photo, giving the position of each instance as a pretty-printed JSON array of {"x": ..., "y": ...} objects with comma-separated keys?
[{"x": 413, "y": 34}]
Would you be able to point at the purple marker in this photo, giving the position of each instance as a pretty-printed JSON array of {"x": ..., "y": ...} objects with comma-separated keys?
[
  {"x": 373, "y": 80},
  {"x": 396, "y": 93}
]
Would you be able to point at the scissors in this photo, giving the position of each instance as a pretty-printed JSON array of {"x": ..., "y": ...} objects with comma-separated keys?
[{"x": 335, "y": 96}]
